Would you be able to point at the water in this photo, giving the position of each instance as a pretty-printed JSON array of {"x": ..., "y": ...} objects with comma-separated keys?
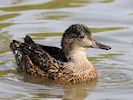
[{"x": 110, "y": 22}]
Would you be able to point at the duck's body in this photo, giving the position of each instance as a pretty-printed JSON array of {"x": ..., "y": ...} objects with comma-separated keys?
[{"x": 68, "y": 64}]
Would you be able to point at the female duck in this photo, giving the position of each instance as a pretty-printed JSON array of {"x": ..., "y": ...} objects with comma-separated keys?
[{"x": 68, "y": 64}]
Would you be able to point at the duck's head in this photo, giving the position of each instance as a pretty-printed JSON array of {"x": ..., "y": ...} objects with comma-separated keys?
[{"x": 78, "y": 36}]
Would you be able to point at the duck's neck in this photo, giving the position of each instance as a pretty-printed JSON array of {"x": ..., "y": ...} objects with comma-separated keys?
[{"x": 78, "y": 57}]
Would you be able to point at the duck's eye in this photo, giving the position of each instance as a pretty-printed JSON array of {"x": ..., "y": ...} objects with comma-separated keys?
[{"x": 81, "y": 36}]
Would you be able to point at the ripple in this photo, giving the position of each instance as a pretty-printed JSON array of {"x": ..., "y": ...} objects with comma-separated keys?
[{"x": 109, "y": 77}]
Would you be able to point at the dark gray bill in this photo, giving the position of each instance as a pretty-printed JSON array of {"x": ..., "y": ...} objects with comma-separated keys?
[{"x": 96, "y": 44}]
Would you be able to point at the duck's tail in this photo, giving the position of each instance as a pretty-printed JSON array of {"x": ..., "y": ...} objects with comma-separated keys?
[
  {"x": 21, "y": 49},
  {"x": 28, "y": 40},
  {"x": 15, "y": 47}
]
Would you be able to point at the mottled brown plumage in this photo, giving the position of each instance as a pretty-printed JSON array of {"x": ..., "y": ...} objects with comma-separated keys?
[{"x": 68, "y": 64}]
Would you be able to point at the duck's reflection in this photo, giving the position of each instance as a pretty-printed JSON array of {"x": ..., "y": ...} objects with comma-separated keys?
[
  {"x": 78, "y": 91},
  {"x": 63, "y": 91}
]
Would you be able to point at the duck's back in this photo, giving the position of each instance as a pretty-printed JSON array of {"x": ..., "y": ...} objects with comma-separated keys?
[
  {"x": 55, "y": 52},
  {"x": 34, "y": 58}
]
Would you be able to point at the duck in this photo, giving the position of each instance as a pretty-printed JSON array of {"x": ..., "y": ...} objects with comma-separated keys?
[{"x": 67, "y": 64}]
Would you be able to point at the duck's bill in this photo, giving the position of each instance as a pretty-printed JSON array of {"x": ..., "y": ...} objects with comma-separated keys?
[{"x": 96, "y": 44}]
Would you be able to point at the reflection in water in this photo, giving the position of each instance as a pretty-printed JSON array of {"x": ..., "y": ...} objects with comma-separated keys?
[
  {"x": 54, "y": 15},
  {"x": 5, "y": 72},
  {"x": 5, "y": 17},
  {"x": 3, "y": 25},
  {"x": 17, "y": 1},
  {"x": 106, "y": 1},
  {"x": 8, "y": 16},
  {"x": 70, "y": 91},
  {"x": 54, "y": 4},
  {"x": 111, "y": 55},
  {"x": 4, "y": 41}
]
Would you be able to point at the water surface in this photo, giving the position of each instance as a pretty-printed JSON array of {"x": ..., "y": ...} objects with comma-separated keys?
[{"x": 110, "y": 22}]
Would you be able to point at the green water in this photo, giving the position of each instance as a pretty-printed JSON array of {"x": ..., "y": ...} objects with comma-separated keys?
[{"x": 110, "y": 21}]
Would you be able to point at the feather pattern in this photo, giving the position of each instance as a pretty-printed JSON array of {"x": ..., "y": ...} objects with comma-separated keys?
[{"x": 66, "y": 64}]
